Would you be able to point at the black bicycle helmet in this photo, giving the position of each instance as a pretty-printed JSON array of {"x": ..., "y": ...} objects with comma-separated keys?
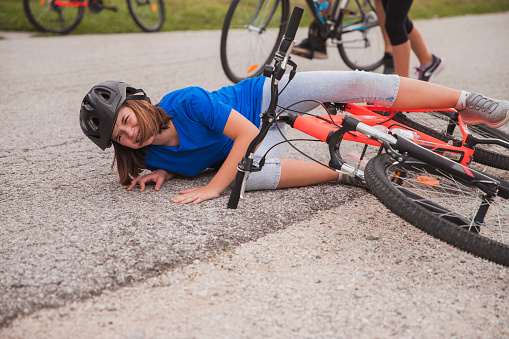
[{"x": 99, "y": 109}]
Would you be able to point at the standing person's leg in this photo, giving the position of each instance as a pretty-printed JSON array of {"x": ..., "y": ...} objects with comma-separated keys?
[
  {"x": 388, "y": 61},
  {"x": 419, "y": 46},
  {"x": 430, "y": 64},
  {"x": 396, "y": 12},
  {"x": 314, "y": 47}
]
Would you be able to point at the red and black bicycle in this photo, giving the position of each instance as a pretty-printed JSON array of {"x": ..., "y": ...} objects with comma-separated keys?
[
  {"x": 62, "y": 16},
  {"x": 425, "y": 166}
]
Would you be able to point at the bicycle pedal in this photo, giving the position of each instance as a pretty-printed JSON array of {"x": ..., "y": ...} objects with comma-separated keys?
[{"x": 111, "y": 8}]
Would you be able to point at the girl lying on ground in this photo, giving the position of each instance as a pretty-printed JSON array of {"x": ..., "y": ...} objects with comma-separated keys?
[{"x": 191, "y": 129}]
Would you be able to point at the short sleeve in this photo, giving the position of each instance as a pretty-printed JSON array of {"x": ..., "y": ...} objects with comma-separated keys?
[{"x": 207, "y": 110}]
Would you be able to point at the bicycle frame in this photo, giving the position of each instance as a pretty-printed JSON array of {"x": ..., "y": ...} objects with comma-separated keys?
[
  {"x": 338, "y": 10},
  {"x": 359, "y": 128},
  {"x": 319, "y": 128},
  {"x": 70, "y": 3}
]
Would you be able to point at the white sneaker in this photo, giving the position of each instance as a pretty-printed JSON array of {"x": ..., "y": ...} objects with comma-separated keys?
[{"x": 480, "y": 109}]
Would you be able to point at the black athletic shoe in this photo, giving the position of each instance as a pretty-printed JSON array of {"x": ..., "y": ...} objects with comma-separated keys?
[
  {"x": 388, "y": 63},
  {"x": 428, "y": 73},
  {"x": 304, "y": 49}
]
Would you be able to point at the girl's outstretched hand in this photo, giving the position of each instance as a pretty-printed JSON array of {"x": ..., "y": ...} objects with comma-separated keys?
[
  {"x": 157, "y": 177},
  {"x": 196, "y": 195}
]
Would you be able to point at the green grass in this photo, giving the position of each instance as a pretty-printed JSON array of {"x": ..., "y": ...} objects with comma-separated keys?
[{"x": 209, "y": 14}]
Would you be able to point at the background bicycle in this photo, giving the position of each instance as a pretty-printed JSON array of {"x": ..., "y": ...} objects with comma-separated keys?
[
  {"x": 252, "y": 31},
  {"x": 62, "y": 16}
]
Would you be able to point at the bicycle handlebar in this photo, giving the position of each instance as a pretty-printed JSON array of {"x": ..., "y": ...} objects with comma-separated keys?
[
  {"x": 282, "y": 58},
  {"x": 286, "y": 46}
]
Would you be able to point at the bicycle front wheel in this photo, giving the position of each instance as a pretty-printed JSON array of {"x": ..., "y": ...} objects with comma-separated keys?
[
  {"x": 360, "y": 40},
  {"x": 252, "y": 31},
  {"x": 47, "y": 16},
  {"x": 148, "y": 14},
  {"x": 442, "y": 205}
]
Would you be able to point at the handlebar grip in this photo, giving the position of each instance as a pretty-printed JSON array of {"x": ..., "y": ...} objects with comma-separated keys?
[
  {"x": 233, "y": 202},
  {"x": 293, "y": 24}
]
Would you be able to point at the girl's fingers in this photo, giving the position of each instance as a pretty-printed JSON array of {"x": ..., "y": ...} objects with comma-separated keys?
[
  {"x": 131, "y": 186},
  {"x": 188, "y": 191},
  {"x": 194, "y": 196},
  {"x": 142, "y": 185},
  {"x": 184, "y": 198},
  {"x": 159, "y": 183}
]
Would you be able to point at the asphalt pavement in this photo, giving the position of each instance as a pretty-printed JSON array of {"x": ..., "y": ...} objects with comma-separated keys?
[{"x": 69, "y": 232}]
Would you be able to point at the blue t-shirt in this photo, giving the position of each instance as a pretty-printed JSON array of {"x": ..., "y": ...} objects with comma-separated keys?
[{"x": 199, "y": 117}]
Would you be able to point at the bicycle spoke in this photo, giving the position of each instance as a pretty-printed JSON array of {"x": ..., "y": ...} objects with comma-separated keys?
[{"x": 456, "y": 199}]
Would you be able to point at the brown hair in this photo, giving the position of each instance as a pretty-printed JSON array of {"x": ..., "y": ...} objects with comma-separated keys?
[{"x": 152, "y": 120}]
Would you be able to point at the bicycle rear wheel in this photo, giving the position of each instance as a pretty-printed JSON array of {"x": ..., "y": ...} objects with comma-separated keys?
[
  {"x": 148, "y": 14},
  {"x": 442, "y": 205},
  {"x": 443, "y": 126},
  {"x": 252, "y": 31},
  {"x": 360, "y": 40},
  {"x": 46, "y": 16}
]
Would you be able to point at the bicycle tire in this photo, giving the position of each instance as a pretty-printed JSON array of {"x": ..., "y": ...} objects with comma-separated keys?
[
  {"x": 439, "y": 205},
  {"x": 434, "y": 123},
  {"x": 360, "y": 40},
  {"x": 251, "y": 33},
  {"x": 149, "y": 15},
  {"x": 47, "y": 17}
]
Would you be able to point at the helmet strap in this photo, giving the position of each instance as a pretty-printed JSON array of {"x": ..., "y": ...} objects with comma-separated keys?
[{"x": 138, "y": 96}]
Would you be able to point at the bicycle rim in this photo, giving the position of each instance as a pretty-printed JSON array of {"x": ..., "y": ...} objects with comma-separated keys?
[
  {"x": 360, "y": 40},
  {"x": 441, "y": 205},
  {"x": 438, "y": 122},
  {"x": 47, "y": 17},
  {"x": 252, "y": 31},
  {"x": 148, "y": 14}
]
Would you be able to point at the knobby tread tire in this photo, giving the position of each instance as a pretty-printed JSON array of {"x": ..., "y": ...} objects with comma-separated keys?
[{"x": 385, "y": 191}]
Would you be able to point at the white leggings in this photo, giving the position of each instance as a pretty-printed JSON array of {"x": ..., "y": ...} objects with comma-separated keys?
[{"x": 323, "y": 86}]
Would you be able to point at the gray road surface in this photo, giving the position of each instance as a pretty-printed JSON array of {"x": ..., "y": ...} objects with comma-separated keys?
[{"x": 69, "y": 232}]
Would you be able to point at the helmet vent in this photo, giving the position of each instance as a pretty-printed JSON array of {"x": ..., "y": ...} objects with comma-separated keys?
[
  {"x": 104, "y": 95},
  {"x": 94, "y": 123}
]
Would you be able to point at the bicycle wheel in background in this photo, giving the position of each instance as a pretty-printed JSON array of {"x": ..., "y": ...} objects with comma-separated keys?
[
  {"x": 46, "y": 16},
  {"x": 252, "y": 31},
  {"x": 148, "y": 14},
  {"x": 442, "y": 205},
  {"x": 445, "y": 127},
  {"x": 360, "y": 40}
]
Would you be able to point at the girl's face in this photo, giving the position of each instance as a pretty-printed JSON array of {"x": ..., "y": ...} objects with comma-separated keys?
[{"x": 127, "y": 131}]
